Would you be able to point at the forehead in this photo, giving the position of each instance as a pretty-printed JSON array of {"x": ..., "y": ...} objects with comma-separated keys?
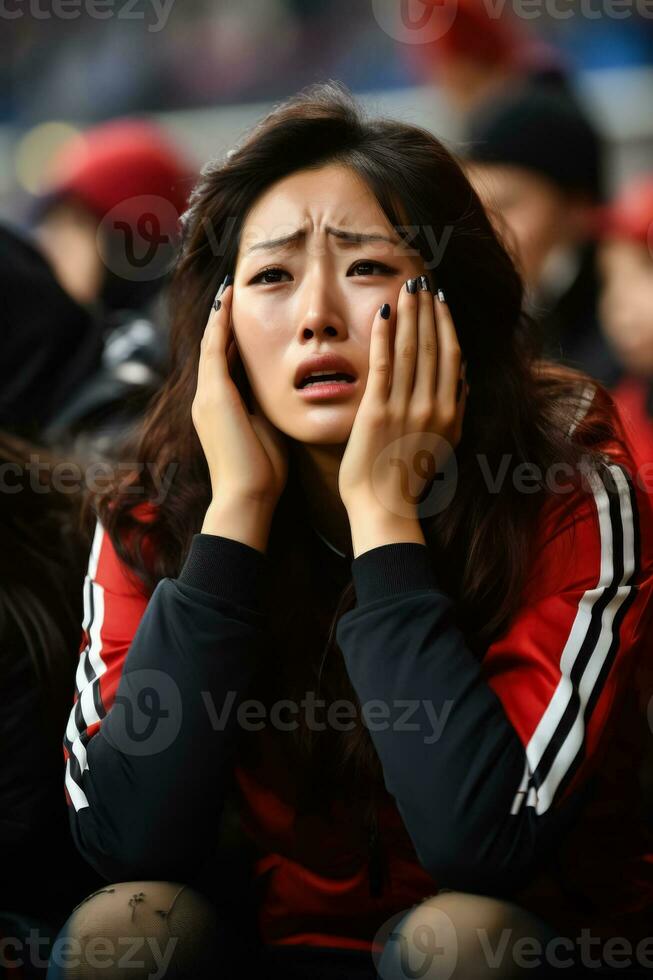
[
  {"x": 332, "y": 195},
  {"x": 506, "y": 179}
]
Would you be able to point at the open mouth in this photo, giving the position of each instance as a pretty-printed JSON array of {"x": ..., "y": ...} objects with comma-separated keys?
[{"x": 325, "y": 377}]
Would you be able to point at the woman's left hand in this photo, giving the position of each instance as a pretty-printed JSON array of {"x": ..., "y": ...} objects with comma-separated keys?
[{"x": 410, "y": 417}]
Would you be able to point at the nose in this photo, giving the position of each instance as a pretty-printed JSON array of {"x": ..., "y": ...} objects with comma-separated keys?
[{"x": 321, "y": 315}]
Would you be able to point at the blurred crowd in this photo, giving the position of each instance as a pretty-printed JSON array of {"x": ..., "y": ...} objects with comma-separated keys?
[
  {"x": 83, "y": 338},
  {"x": 154, "y": 55}
]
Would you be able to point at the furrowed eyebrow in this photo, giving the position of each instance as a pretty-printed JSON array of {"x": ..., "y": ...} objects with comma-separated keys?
[{"x": 349, "y": 237}]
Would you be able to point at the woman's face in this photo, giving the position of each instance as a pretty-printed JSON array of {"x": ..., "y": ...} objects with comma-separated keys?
[
  {"x": 626, "y": 304},
  {"x": 529, "y": 211},
  {"x": 320, "y": 293}
]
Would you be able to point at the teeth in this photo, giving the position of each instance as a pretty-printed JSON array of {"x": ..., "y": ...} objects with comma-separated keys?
[{"x": 332, "y": 375}]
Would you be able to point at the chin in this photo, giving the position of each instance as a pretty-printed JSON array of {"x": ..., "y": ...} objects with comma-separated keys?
[{"x": 332, "y": 433}]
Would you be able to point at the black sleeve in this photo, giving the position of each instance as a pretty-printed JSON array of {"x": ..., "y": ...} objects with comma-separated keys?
[
  {"x": 147, "y": 789},
  {"x": 450, "y": 756}
]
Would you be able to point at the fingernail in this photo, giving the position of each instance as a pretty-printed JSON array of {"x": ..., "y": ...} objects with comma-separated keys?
[
  {"x": 227, "y": 281},
  {"x": 424, "y": 284},
  {"x": 441, "y": 296},
  {"x": 411, "y": 285},
  {"x": 385, "y": 311}
]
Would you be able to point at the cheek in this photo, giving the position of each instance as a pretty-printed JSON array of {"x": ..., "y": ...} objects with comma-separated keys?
[{"x": 258, "y": 341}]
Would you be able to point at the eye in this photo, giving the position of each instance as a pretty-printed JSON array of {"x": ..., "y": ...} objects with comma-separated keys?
[
  {"x": 365, "y": 265},
  {"x": 266, "y": 272},
  {"x": 368, "y": 264}
]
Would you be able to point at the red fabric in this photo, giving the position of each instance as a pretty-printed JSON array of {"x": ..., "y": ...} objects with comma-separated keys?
[
  {"x": 313, "y": 874},
  {"x": 118, "y": 163},
  {"x": 630, "y": 215},
  {"x": 630, "y": 397}
]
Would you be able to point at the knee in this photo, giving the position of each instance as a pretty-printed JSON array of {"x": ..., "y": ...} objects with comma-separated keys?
[
  {"x": 461, "y": 935},
  {"x": 139, "y": 929}
]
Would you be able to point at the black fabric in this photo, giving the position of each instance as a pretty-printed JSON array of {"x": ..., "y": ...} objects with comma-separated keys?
[
  {"x": 540, "y": 129},
  {"x": 104, "y": 409},
  {"x": 225, "y": 567},
  {"x": 391, "y": 568},
  {"x": 188, "y": 640},
  {"x": 570, "y": 326},
  {"x": 48, "y": 343}
]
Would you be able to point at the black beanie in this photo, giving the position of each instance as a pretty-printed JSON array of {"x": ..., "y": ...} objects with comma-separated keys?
[{"x": 539, "y": 129}]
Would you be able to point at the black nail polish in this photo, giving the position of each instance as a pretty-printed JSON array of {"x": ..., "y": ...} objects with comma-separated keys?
[
  {"x": 227, "y": 281},
  {"x": 441, "y": 296},
  {"x": 424, "y": 284},
  {"x": 411, "y": 285},
  {"x": 385, "y": 311}
]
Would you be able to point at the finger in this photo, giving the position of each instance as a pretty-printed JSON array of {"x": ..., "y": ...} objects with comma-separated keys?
[
  {"x": 427, "y": 350},
  {"x": 449, "y": 353},
  {"x": 378, "y": 373},
  {"x": 405, "y": 345},
  {"x": 213, "y": 360}
]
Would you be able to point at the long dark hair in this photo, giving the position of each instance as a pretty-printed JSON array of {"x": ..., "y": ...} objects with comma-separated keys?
[
  {"x": 45, "y": 542},
  {"x": 519, "y": 405}
]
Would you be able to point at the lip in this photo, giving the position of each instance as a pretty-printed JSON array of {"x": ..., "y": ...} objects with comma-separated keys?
[
  {"x": 326, "y": 362},
  {"x": 334, "y": 389}
]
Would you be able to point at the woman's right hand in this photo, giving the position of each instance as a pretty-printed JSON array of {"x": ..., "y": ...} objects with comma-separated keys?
[{"x": 247, "y": 455}]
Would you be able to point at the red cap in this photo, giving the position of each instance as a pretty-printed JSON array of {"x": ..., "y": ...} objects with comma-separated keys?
[
  {"x": 116, "y": 164},
  {"x": 464, "y": 28}
]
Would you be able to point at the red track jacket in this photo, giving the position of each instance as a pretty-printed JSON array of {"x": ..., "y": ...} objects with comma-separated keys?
[{"x": 514, "y": 775}]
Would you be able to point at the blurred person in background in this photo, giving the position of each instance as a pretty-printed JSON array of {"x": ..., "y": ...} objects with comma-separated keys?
[
  {"x": 537, "y": 163},
  {"x": 626, "y": 305},
  {"x": 477, "y": 52},
  {"x": 49, "y": 344},
  {"x": 42, "y": 562},
  {"x": 108, "y": 226}
]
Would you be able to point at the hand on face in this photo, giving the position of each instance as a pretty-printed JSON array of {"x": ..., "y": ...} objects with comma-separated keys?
[
  {"x": 246, "y": 455},
  {"x": 410, "y": 417}
]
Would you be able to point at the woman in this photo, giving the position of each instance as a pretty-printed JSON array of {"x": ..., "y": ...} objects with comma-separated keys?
[{"x": 422, "y": 694}]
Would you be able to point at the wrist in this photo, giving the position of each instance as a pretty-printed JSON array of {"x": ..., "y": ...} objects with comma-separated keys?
[
  {"x": 243, "y": 520},
  {"x": 373, "y": 527}
]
